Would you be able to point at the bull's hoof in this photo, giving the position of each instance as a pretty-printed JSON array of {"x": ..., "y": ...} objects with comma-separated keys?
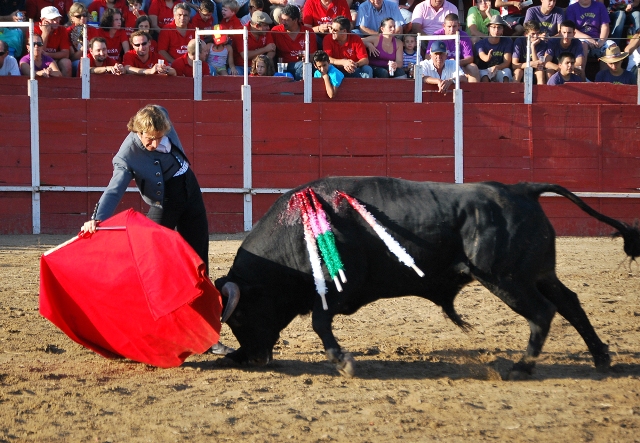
[
  {"x": 603, "y": 363},
  {"x": 345, "y": 363},
  {"x": 241, "y": 358},
  {"x": 523, "y": 370}
]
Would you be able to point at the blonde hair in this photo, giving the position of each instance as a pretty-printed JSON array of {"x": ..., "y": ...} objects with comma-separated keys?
[
  {"x": 151, "y": 118},
  {"x": 77, "y": 9}
]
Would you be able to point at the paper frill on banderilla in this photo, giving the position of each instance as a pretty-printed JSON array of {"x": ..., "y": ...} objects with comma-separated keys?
[{"x": 318, "y": 236}]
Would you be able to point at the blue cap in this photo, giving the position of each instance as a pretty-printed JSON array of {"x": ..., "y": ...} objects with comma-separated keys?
[{"x": 438, "y": 46}]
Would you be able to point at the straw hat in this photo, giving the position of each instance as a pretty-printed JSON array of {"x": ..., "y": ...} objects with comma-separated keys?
[{"x": 613, "y": 54}]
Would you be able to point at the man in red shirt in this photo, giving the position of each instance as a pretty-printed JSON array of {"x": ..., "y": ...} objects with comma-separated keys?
[
  {"x": 175, "y": 37},
  {"x": 289, "y": 38},
  {"x": 346, "y": 51},
  {"x": 141, "y": 61},
  {"x": 55, "y": 38},
  {"x": 259, "y": 41},
  {"x": 184, "y": 64},
  {"x": 205, "y": 17},
  {"x": 320, "y": 13},
  {"x": 99, "y": 60}
]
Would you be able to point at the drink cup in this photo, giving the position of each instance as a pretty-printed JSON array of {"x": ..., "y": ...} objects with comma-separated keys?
[
  {"x": 281, "y": 67},
  {"x": 391, "y": 70}
]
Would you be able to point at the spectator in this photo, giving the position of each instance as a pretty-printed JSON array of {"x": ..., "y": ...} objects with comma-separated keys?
[
  {"x": 219, "y": 53},
  {"x": 259, "y": 41},
  {"x": 184, "y": 65},
  {"x": 141, "y": 61},
  {"x": 622, "y": 13},
  {"x": 99, "y": 60},
  {"x": 43, "y": 65},
  {"x": 331, "y": 76},
  {"x": 8, "y": 64},
  {"x": 13, "y": 37},
  {"x": 615, "y": 74},
  {"x": 278, "y": 5},
  {"x": 229, "y": 19},
  {"x": 262, "y": 66},
  {"x": 494, "y": 53},
  {"x": 161, "y": 13},
  {"x": 175, "y": 36},
  {"x": 116, "y": 37},
  {"x": 144, "y": 24},
  {"x": 428, "y": 17},
  {"x": 566, "y": 63},
  {"x": 346, "y": 51},
  {"x": 537, "y": 56},
  {"x": 478, "y": 19},
  {"x": 206, "y": 16},
  {"x": 372, "y": 12},
  {"x": 54, "y": 38},
  {"x": 289, "y": 38},
  {"x": 78, "y": 17},
  {"x": 548, "y": 15},
  {"x": 451, "y": 26},
  {"x": 409, "y": 53},
  {"x": 97, "y": 8},
  {"x": 34, "y": 8},
  {"x": 385, "y": 51},
  {"x": 131, "y": 15},
  {"x": 512, "y": 12},
  {"x": 566, "y": 43},
  {"x": 318, "y": 14},
  {"x": 592, "y": 27},
  {"x": 439, "y": 70},
  {"x": 254, "y": 6},
  {"x": 9, "y": 9},
  {"x": 632, "y": 48}
]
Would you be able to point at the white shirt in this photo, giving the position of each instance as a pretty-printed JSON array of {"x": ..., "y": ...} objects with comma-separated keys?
[
  {"x": 10, "y": 66},
  {"x": 450, "y": 70}
]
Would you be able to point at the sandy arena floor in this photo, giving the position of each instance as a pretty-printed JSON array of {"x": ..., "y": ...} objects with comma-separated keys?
[{"x": 419, "y": 377}]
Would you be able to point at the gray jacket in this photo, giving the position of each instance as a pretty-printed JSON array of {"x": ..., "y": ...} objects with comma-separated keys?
[{"x": 147, "y": 168}]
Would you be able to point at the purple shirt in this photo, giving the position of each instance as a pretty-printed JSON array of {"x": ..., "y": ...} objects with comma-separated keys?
[
  {"x": 46, "y": 61},
  {"x": 504, "y": 46},
  {"x": 555, "y": 49},
  {"x": 626, "y": 78},
  {"x": 549, "y": 23},
  {"x": 520, "y": 50},
  {"x": 556, "y": 79},
  {"x": 588, "y": 20},
  {"x": 466, "y": 47}
]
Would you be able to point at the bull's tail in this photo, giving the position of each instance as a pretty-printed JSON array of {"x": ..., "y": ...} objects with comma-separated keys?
[{"x": 630, "y": 234}]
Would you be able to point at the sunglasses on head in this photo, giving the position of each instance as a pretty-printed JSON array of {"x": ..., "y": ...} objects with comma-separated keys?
[{"x": 140, "y": 44}]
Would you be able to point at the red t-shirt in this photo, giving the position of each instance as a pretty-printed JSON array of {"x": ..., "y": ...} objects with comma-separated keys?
[
  {"x": 173, "y": 42},
  {"x": 58, "y": 39},
  {"x": 164, "y": 13},
  {"x": 230, "y": 23},
  {"x": 181, "y": 65},
  {"x": 353, "y": 48},
  {"x": 289, "y": 49},
  {"x": 92, "y": 64},
  {"x": 100, "y": 6},
  {"x": 114, "y": 44},
  {"x": 253, "y": 43},
  {"x": 34, "y": 7},
  {"x": 132, "y": 59},
  {"x": 314, "y": 14},
  {"x": 130, "y": 20},
  {"x": 197, "y": 22}
]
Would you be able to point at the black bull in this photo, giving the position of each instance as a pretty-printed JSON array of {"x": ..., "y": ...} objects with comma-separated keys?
[{"x": 496, "y": 234}]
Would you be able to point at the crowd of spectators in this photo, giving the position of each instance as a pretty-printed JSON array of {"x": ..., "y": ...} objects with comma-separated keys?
[{"x": 349, "y": 38}]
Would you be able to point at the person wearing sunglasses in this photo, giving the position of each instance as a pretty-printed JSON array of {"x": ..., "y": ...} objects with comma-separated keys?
[
  {"x": 44, "y": 65},
  {"x": 8, "y": 64},
  {"x": 54, "y": 38},
  {"x": 78, "y": 14},
  {"x": 141, "y": 61}
]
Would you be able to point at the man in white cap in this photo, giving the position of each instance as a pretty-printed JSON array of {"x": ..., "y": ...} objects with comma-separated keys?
[
  {"x": 55, "y": 38},
  {"x": 259, "y": 41},
  {"x": 615, "y": 74},
  {"x": 439, "y": 70}
]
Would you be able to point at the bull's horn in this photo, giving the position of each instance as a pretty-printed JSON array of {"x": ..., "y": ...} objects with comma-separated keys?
[{"x": 232, "y": 292}]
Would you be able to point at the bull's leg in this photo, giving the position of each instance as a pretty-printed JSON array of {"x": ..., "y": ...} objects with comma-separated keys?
[
  {"x": 322, "y": 321},
  {"x": 525, "y": 299},
  {"x": 569, "y": 307}
]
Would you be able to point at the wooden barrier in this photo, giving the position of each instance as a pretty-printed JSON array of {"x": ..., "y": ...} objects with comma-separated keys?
[{"x": 580, "y": 144}]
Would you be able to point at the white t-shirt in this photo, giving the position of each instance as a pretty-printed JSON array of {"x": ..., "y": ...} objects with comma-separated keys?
[
  {"x": 450, "y": 70},
  {"x": 10, "y": 66}
]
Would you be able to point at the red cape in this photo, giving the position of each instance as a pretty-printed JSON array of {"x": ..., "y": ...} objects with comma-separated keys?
[{"x": 140, "y": 292}]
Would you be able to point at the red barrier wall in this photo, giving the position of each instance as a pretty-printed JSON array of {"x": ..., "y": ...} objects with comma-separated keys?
[{"x": 585, "y": 147}]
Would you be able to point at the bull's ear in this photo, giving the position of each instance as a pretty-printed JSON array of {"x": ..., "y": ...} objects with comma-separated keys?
[{"x": 232, "y": 292}]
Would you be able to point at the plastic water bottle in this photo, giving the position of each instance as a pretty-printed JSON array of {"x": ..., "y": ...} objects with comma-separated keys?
[{"x": 391, "y": 70}]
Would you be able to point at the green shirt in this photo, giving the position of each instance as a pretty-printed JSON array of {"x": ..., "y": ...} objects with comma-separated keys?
[{"x": 474, "y": 17}]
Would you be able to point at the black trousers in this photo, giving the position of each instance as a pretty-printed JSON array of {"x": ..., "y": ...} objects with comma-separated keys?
[{"x": 183, "y": 210}]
